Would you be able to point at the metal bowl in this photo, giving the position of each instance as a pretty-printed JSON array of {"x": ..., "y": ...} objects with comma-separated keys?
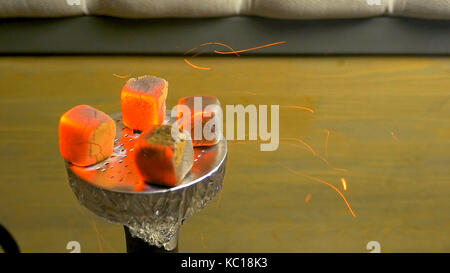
[{"x": 152, "y": 213}]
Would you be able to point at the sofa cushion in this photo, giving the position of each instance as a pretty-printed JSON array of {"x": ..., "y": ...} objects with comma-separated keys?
[
  {"x": 164, "y": 8},
  {"x": 38, "y": 8},
  {"x": 292, "y": 9},
  {"x": 429, "y": 9},
  {"x": 283, "y": 9},
  {"x": 315, "y": 9}
]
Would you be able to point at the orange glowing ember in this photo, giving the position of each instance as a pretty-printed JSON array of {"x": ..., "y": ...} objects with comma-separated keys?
[
  {"x": 307, "y": 198},
  {"x": 143, "y": 102},
  {"x": 86, "y": 135},
  {"x": 162, "y": 159},
  {"x": 394, "y": 137},
  {"x": 344, "y": 183},
  {"x": 202, "y": 117}
]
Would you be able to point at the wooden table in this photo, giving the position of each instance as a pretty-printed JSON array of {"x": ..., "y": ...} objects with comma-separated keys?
[{"x": 387, "y": 121}]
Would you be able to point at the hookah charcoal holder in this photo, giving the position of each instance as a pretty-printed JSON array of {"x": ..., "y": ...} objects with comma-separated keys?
[{"x": 151, "y": 215}]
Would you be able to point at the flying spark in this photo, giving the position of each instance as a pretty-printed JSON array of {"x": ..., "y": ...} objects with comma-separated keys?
[
  {"x": 325, "y": 183},
  {"x": 344, "y": 183}
]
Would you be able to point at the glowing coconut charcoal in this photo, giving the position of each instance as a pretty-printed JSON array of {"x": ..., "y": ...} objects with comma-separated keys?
[
  {"x": 202, "y": 114},
  {"x": 143, "y": 102},
  {"x": 162, "y": 158},
  {"x": 86, "y": 135}
]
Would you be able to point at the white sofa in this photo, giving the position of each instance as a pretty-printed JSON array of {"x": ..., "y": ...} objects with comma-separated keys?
[
  {"x": 174, "y": 26},
  {"x": 282, "y": 9}
]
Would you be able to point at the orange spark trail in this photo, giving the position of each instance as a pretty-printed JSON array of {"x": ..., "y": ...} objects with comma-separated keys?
[
  {"x": 202, "y": 238},
  {"x": 307, "y": 198},
  {"x": 323, "y": 182},
  {"x": 309, "y": 148},
  {"x": 197, "y": 54},
  {"x": 97, "y": 234},
  {"x": 344, "y": 183},
  {"x": 249, "y": 49},
  {"x": 298, "y": 146},
  {"x": 394, "y": 137},
  {"x": 219, "y": 199},
  {"x": 212, "y": 43},
  {"x": 195, "y": 66},
  {"x": 326, "y": 143},
  {"x": 298, "y": 107},
  {"x": 314, "y": 153},
  {"x": 232, "y": 51},
  {"x": 121, "y": 77},
  {"x": 101, "y": 237},
  {"x": 329, "y": 165}
]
